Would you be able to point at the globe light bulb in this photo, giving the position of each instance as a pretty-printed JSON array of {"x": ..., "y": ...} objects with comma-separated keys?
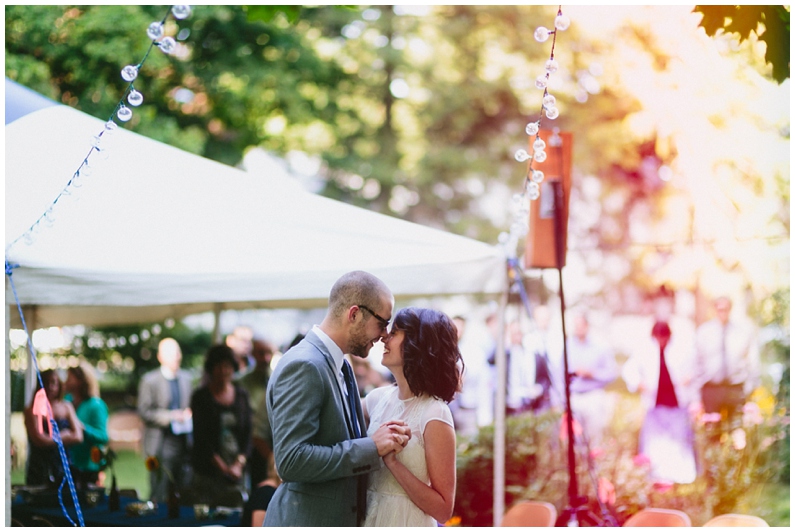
[
  {"x": 154, "y": 31},
  {"x": 534, "y": 195},
  {"x": 517, "y": 200},
  {"x": 129, "y": 73},
  {"x": 562, "y": 22},
  {"x": 168, "y": 45},
  {"x": 537, "y": 176},
  {"x": 86, "y": 170},
  {"x": 541, "y": 34},
  {"x": 49, "y": 217},
  {"x": 540, "y": 156},
  {"x": 541, "y": 81},
  {"x": 539, "y": 144},
  {"x": 181, "y": 12},
  {"x": 521, "y": 156},
  {"x": 533, "y": 188},
  {"x": 110, "y": 126},
  {"x": 135, "y": 98},
  {"x": 532, "y": 128},
  {"x": 124, "y": 113},
  {"x": 96, "y": 141},
  {"x": 551, "y": 66},
  {"x": 519, "y": 229},
  {"x": 549, "y": 101},
  {"x": 552, "y": 113}
]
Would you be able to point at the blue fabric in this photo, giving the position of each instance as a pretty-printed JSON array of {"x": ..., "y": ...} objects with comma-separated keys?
[{"x": 21, "y": 100}]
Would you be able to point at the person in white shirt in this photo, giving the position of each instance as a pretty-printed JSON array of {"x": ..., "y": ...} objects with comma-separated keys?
[{"x": 726, "y": 361}]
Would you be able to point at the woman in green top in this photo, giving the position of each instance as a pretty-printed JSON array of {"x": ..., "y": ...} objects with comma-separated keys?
[{"x": 83, "y": 392}]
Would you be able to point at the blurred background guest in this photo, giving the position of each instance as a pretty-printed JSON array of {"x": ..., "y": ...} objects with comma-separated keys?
[
  {"x": 657, "y": 371},
  {"x": 163, "y": 399},
  {"x": 44, "y": 459},
  {"x": 255, "y": 382},
  {"x": 221, "y": 431},
  {"x": 727, "y": 361},
  {"x": 241, "y": 341},
  {"x": 82, "y": 390},
  {"x": 261, "y": 494},
  {"x": 593, "y": 367}
]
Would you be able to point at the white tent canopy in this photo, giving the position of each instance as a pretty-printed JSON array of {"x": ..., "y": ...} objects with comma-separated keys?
[{"x": 156, "y": 232}]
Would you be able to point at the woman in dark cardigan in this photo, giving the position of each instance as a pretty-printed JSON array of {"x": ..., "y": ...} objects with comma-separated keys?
[{"x": 221, "y": 430}]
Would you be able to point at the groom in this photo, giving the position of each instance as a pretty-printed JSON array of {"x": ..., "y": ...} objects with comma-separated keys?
[{"x": 320, "y": 444}]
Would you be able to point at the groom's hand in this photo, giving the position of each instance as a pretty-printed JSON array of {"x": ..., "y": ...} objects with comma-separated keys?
[{"x": 391, "y": 437}]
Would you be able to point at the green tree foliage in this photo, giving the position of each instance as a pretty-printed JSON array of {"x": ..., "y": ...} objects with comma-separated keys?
[{"x": 744, "y": 20}]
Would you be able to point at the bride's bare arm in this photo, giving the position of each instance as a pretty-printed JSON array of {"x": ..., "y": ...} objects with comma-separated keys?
[{"x": 437, "y": 499}]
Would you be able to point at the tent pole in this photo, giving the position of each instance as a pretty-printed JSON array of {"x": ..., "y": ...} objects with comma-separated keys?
[
  {"x": 217, "y": 325},
  {"x": 499, "y": 414},
  {"x": 8, "y": 417},
  {"x": 31, "y": 379}
]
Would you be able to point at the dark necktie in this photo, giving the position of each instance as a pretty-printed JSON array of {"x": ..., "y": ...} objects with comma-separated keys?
[{"x": 353, "y": 397}]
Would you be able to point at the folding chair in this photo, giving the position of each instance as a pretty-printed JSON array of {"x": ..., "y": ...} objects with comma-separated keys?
[
  {"x": 530, "y": 513},
  {"x": 658, "y": 517},
  {"x": 736, "y": 520}
]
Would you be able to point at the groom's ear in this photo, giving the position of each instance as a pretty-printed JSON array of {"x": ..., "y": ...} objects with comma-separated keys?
[{"x": 350, "y": 315}]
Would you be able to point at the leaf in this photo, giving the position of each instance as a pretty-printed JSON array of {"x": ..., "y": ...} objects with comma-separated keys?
[{"x": 266, "y": 13}]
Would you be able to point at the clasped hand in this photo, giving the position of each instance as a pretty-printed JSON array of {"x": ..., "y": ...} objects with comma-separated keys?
[{"x": 391, "y": 436}]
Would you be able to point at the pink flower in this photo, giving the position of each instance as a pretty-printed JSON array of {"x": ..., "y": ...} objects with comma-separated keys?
[
  {"x": 564, "y": 430},
  {"x": 662, "y": 486},
  {"x": 597, "y": 452},
  {"x": 606, "y": 491},
  {"x": 710, "y": 417},
  {"x": 738, "y": 439},
  {"x": 752, "y": 414},
  {"x": 641, "y": 459}
]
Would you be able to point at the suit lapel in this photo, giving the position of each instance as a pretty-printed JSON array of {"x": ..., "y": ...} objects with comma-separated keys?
[{"x": 312, "y": 338}]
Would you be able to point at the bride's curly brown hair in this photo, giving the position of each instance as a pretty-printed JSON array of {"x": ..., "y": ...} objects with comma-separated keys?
[{"x": 432, "y": 362}]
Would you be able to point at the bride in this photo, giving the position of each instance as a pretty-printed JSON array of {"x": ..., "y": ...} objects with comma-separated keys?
[{"x": 417, "y": 486}]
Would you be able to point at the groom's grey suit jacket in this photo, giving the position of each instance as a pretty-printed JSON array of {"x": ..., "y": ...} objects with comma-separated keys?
[{"x": 316, "y": 456}]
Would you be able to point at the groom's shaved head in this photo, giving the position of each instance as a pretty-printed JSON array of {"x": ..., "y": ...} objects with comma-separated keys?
[{"x": 356, "y": 288}]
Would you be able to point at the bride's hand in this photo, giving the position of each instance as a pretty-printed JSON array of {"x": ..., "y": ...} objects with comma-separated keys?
[{"x": 390, "y": 459}]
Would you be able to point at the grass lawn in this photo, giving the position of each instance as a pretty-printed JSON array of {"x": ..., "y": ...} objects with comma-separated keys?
[{"x": 130, "y": 473}]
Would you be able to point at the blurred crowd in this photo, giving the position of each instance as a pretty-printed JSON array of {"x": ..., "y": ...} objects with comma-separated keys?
[{"x": 212, "y": 443}]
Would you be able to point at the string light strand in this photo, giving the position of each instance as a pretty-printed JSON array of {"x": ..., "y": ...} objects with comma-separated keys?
[
  {"x": 129, "y": 73},
  {"x": 531, "y": 187}
]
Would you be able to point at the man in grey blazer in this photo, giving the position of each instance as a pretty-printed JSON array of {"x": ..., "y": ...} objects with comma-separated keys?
[
  {"x": 321, "y": 448},
  {"x": 163, "y": 404}
]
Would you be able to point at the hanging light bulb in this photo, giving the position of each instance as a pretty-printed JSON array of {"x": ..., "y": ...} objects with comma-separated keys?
[
  {"x": 537, "y": 176},
  {"x": 129, "y": 73},
  {"x": 49, "y": 217},
  {"x": 540, "y": 156},
  {"x": 96, "y": 141},
  {"x": 86, "y": 169},
  {"x": 551, "y": 66},
  {"x": 549, "y": 100},
  {"x": 168, "y": 45},
  {"x": 181, "y": 12},
  {"x": 135, "y": 98},
  {"x": 539, "y": 144},
  {"x": 154, "y": 31},
  {"x": 521, "y": 156},
  {"x": 532, "y": 128},
  {"x": 534, "y": 193},
  {"x": 124, "y": 113},
  {"x": 562, "y": 22},
  {"x": 552, "y": 112},
  {"x": 110, "y": 126},
  {"x": 541, "y": 34},
  {"x": 541, "y": 81}
]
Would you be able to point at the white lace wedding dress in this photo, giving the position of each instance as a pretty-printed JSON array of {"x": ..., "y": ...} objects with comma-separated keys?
[{"x": 387, "y": 503}]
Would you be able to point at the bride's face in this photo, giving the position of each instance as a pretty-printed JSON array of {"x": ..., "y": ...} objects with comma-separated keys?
[{"x": 393, "y": 349}]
